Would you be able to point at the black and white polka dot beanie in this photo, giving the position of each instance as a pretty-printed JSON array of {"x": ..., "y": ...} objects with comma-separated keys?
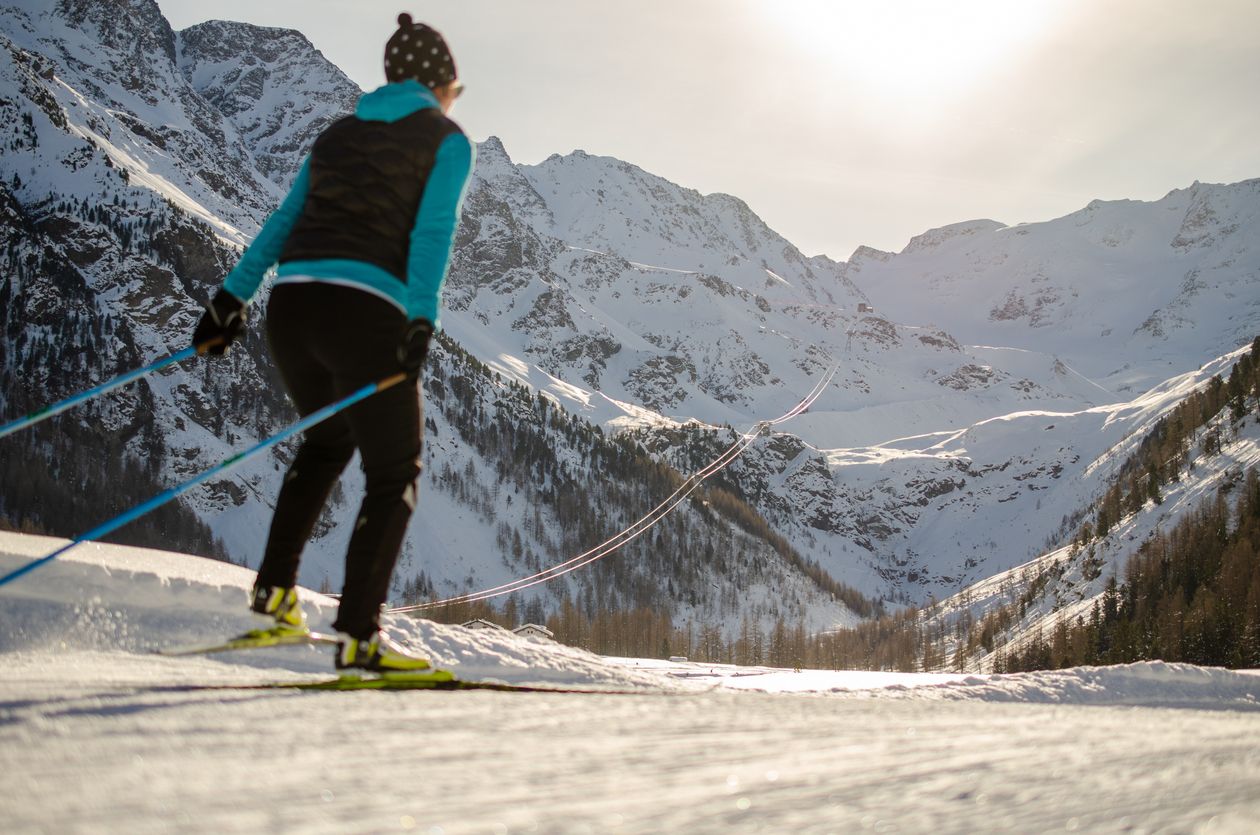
[{"x": 418, "y": 51}]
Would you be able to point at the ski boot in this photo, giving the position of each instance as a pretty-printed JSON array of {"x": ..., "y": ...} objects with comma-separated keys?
[
  {"x": 375, "y": 654},
  {"x": 282, "y": 607}
]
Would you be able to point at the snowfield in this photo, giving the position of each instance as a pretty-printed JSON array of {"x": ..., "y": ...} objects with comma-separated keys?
[{"x": 99, "y": 734}]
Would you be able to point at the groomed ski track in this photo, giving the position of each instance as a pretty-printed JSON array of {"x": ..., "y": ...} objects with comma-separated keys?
[{"x": 97, "y": 735}]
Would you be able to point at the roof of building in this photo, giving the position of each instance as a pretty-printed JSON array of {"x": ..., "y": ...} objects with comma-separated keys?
[{"x": 481, "y": 623}]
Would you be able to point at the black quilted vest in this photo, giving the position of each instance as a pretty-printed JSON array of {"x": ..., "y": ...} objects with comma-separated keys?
[{"x": 365, "y": 182}]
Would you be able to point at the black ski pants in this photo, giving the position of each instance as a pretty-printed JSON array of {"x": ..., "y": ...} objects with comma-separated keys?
[{"x": 327, "y": 342}]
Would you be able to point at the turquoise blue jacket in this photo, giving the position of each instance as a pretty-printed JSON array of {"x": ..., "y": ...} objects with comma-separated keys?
[{"x": 432, "y": 237}]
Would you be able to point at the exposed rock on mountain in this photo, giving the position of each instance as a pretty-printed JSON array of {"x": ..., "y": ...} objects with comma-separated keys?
[
  {"x": 981, "y": 374},
  {"x": 273, "y": 86},
  {"x": 137, "y": 161}
]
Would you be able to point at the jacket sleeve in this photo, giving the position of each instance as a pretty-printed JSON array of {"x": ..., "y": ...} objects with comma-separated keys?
[
  {"x": 434, "y": 233},
  {"x": 263, "y": 253}
]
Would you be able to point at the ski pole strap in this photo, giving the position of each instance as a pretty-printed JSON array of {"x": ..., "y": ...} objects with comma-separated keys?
[
  {"x": 110, "y": 385},
  {"x": 167, "y": 495}
]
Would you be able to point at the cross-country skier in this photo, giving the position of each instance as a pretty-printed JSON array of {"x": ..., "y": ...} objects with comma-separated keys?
[{"x": 362, "y": 243}]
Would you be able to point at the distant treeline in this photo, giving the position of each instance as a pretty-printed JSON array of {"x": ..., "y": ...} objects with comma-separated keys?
[{"x": 651, "y": 633}]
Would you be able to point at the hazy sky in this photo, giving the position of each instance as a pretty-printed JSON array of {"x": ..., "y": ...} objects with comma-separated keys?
[{"x": 842, "y": 123}]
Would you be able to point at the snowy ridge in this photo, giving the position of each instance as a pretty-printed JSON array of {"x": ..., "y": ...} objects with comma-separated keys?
[
  {"x": 108, "y": 75},
  {"x": 1147, "y": 684},
  {"x": 1120, "y": 290}
]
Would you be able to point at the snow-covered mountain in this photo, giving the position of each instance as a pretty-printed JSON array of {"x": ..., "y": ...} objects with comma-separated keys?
[
  {"x": 1122, "y": 291},
  {"x": 136, "y": 160},
  {"x": 958, "y": 431},
  {"x": 980, "y": 373}
]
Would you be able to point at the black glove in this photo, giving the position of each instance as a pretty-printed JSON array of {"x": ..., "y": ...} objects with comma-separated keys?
[
  {"x": 222, "y": 322},
  {"x": 414, "y": 345}
]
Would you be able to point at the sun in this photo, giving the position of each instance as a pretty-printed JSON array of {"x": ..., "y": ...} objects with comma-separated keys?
[{"x": 923, "y": 49}]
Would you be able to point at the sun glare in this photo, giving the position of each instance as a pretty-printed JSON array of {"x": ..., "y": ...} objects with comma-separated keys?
[{"x": 920, "y": 49}]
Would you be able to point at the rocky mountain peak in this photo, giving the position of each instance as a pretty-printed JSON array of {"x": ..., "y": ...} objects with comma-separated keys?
[
  {"x": 273, "y": 85},
  {"x": 492, "y": 146},
  {"x": 230, "y": 40},
  {"x": 134, "y": 27}
]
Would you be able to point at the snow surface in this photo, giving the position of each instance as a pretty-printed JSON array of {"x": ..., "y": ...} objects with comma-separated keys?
[{"x": 99, "y": 734}]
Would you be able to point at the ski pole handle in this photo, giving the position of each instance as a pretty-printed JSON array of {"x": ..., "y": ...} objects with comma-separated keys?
[{"x": 172, "y": 493}]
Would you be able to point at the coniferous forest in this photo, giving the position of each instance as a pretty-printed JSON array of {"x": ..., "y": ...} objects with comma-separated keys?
[
  {"x": 1190, "y": 594},
  {"x": 72, "y": 472}
]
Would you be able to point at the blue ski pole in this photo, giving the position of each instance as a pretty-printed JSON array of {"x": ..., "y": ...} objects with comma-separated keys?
[
  {"x": 122, "y": 380},
  {"x": 167, "y": 495}
]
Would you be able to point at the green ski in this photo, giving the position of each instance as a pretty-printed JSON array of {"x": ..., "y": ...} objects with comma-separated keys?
[
  {"x": 255, "y": 639},
  {"x": 428, "y": 679},
  {"x": 434, "y": 679}
]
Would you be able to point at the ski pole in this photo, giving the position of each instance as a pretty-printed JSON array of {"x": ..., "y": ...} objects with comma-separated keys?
[
  {"x": 121, "y": 380},
  {"x": 167, "y": 495}
]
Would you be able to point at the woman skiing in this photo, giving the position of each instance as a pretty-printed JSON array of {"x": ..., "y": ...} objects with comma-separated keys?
[{"x": 362, "y": 243}]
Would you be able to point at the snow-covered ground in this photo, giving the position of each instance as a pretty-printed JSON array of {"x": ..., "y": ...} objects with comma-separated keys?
[{"x": 99, "y": 734}]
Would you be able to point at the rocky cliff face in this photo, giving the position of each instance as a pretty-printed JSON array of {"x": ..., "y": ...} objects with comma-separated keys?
[{"x": 274, "y": 87}]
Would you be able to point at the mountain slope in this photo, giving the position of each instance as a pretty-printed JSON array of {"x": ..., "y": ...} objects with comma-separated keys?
[
  {"x": 1033, "y": 602},
  {"x": 138, "y": 159},
  {"x": 955, "y": 436}
]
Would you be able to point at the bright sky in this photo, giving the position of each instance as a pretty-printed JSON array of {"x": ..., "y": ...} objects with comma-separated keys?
[{"x": 842, "y": 122}]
